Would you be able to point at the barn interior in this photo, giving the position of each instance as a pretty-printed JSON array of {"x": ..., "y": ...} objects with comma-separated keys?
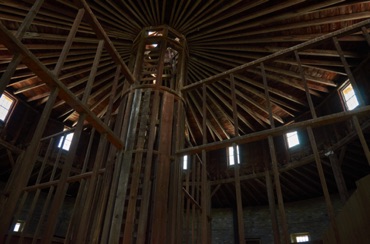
[{"x": 229, "y": 121}]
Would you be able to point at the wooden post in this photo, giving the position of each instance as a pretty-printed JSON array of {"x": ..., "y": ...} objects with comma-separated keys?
[
  {"x": 204, "y": 186},
  {"x": 338, "y": 175},
  {"x": 160, "y": 215},
  {"x": 348, "y": 71},
  {"x": 362, "y": 138},
  {"x": 239, "y": 200},
  {"x": 323, "y": 182},
  {"x": 276, "y": 174},
  {"x": 308, "y": 95}
]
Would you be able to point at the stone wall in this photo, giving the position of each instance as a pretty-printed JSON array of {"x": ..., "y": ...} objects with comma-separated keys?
[{"x": 303, "y": 216}]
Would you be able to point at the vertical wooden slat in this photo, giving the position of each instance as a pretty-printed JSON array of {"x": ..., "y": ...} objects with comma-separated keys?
[
  {"x": 109, "y": 163},
  {"x": 348, "y": 71},
  {"x": 76, "y": 214},
  {"x": 120, "y": 196},
  {"x": 86, "y": 212},
  {"x": 324, "y": 186},
  {"x": 176, "y": 176},
  {"x": 39, "y": 177},
  {"x": 303, "y": 77},
  {"x": 128, "y": 235},
  {"x": 239, "y": 201},
  {"x": 162, "y": 171},
  {"x": 147, "y": 183},
  {"x": 275, "y": 172},
  {"x": 338, "y": 175},
  {"x": 361, "y": 136},
  {"x": 119, "y": 129},
  {"x": 204, "y": 183}
]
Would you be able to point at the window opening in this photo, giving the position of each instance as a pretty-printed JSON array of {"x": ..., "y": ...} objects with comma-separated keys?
[
  {"x": 185, "y": 161},
  {"x": 292, "y": 138},
  {"x": 300, "y": 237},
  {"x": 233, "y": 155},
  {"x": 6, "y": 103},
  {"x": 18, "y": 227},
  {"x": 65, "y": 141},
  {"x": 349, "y": 97}
]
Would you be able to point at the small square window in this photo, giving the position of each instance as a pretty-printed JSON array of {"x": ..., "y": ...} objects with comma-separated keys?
[
  {"x": 349, "y": 97},
  {"x": 300, "y": 237},
  {"x": 185, "y": 161},
  {"x": 18, "y": 227},
  {"x": 233, "y": 155},
  {"x": 65, "y": 141},
  {"x": 6, "y": 103},
  {"x": 292, "y": 138}
]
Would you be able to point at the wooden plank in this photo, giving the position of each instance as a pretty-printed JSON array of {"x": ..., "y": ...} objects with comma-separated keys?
[
  {"x": 279, "y": 194},
  {"x": 204, "y": 181},
  {"x": 239, "y": 200},
  {"x": 338, "y": 175},
  {"x": 160, "y": 214},
  {"x": 136, "y": 178},
  {"x": 129, "y": 135},
  {"x": 142, "y": 233},
  {"x": 272, "y": 206}
]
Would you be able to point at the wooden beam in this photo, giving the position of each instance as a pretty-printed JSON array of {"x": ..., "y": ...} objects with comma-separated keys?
[{"x": 260, "y": 135}]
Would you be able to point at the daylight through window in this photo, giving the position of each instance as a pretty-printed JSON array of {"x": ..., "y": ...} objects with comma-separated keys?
[
  {"x": 65, "y": 143},
  {"x": 349, "y": 97},
  {"x": 5, "y": 105},
  {"x": 233, "y": 156},
  {"x": 292, "y": 138},
  {"x": 185, "y": 162},
  {"x": 300, "y": 237},
  {"x": 18, "y": 227}
]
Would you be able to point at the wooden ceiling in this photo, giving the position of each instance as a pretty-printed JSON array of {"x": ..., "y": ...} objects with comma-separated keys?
[{"x": 220, "y": 35}]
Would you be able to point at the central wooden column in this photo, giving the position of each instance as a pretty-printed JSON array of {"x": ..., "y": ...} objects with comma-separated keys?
[{"x": 143, "y": 209}]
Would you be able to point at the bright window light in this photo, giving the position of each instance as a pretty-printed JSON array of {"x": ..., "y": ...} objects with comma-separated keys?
[
  {"x": 303, "y": 238},
  {"x": 5, "y": 105},
  {"x": 18, "y": 227},
  {"x": 300, "y": 237},
  {"x": 292, "y": 138},
  {"x": 185, "y": 162},
  {"x": 349, "y": 97},
  {"x": 65, "y": 143},
  {"x": 232, "y": 155}
]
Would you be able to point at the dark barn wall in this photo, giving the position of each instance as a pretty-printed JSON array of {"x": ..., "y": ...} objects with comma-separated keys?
[{"x": 303, "y": 216}]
